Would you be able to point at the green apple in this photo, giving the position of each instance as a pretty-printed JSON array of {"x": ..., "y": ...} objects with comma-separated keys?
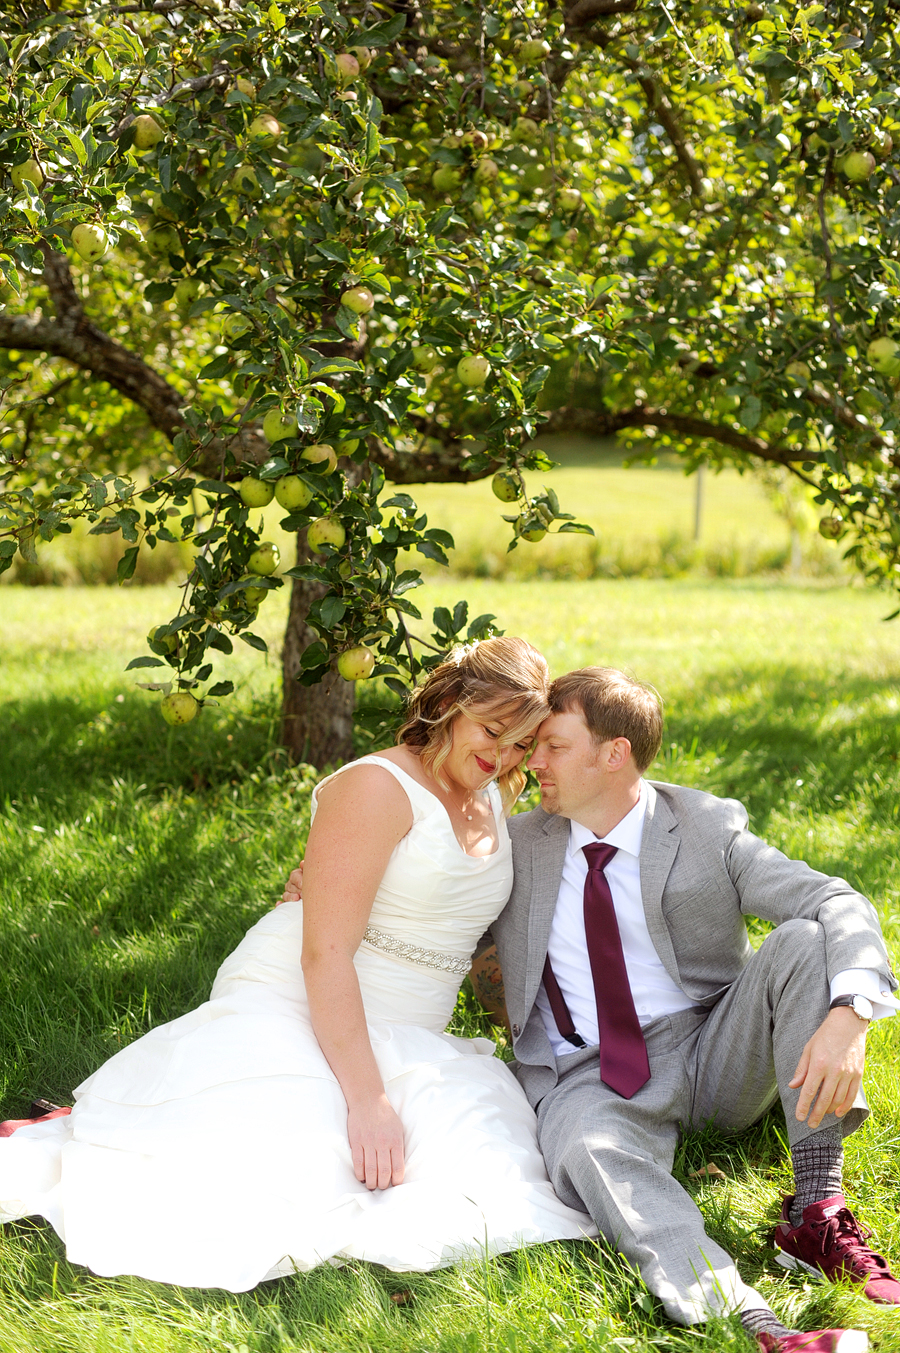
[
  {"x": 525, "y": 130},
  {"x": 245, "y": 87},
  {"x": 832, "y": 528},
  {"x": 162, "y": 240},
  {"x": 505, "y": 486},
  {"x": 568, "y": 199},
  {"x": 533, "y": 50},
  {"x": 858, "y": 165},
  {"x": 236, "y": 326},
  {"x": 278, "y": 425},
  {"x": 868, "y": 402},
  {"x": 147, "y": 134},
  {"x": 167, "y": 641},
  {"x": 254, "y": 596},
  {"x": 327, "y": 531},
  {"x": 90, "y": 241},
  {"x": 264, "y": 130},
  {"x": 347, "y": 448},
  {"x": 883, "y": 354},
  {"x": 363, "y": 56},
  {"x": 244, "y": 180},
  {"x": 179, "y": 707},
  {"x": 160, "y": 209},
  {"x": 358, "y": 299},
  {"x": 531, "y": 529},
  {"x": 256, "y": 492},
  {"x": 292, "y": 493},
  {"x": 797, "y": 371},
  {"x": 186, "y": 292},
  {"x": 322, "y": 456},
  {"x": 882, "y": 143},
  {"x": 424, "y": 358},
  {"x": 356, "y": 664},
  {"x": 473, "y": 370},
  {"x": 725, "y": 403},
  {"x": 346, "y": 68},
  {"x": 571, "y": 236},
  {"x": 446, "y": 179},
  {"x": 27, "y": 171},
  {"x": 264, "y": 559},
  {"x": 523, "y": 89},
  {"x": 486, "y": 170},
  {"x": 475, "y": 139}
]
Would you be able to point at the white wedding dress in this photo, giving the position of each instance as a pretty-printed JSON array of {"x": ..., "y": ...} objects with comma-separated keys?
[{"x": 213, "y": 1152}]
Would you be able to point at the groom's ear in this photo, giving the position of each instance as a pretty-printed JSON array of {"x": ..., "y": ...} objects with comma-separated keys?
[{"x": 618, "y": 753}]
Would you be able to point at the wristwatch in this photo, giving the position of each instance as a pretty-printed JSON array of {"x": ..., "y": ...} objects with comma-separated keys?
[{"x": 860, "y": 1005}]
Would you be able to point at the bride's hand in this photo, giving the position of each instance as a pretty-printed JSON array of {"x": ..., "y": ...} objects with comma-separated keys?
[
  {"x": 293, "y": 889},
  {"x": 376, "y": 1141}
]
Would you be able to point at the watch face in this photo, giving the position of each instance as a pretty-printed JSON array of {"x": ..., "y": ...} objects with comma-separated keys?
[{"x": 862, "y": 1007}]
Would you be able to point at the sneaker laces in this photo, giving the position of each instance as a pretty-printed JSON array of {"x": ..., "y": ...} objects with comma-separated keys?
[{"x": 842, "y": 1232}]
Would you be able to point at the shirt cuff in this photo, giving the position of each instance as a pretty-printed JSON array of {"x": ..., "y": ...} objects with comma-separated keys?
[{"x": 865, "y": 982}]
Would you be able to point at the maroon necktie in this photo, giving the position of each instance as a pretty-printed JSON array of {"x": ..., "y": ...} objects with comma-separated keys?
[{"x": 623, "y": 1053}]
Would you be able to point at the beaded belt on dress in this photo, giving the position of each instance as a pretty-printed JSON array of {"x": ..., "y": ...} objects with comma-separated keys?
[{"x": 413, "y": 953}]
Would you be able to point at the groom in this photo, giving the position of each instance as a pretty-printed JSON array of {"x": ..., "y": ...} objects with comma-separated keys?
[{"x": 638, "y": 1006}]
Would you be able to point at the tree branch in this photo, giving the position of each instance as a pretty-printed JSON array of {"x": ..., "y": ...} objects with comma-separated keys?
[
  {"x": 74, "y": 337},
  {"x": 584, "y": 12},
  {"x": 601, "y": 423},
  {"x": 661, "y": 108}
]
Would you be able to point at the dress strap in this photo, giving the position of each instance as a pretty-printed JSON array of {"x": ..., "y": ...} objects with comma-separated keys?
[{"x": 421, "y": 799}]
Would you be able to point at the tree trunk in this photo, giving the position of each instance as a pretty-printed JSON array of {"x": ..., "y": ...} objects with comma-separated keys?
[{"x": 317, "y": 721}]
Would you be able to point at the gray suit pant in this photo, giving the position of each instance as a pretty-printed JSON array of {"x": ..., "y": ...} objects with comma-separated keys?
[{"x": 723, "y": 1066}]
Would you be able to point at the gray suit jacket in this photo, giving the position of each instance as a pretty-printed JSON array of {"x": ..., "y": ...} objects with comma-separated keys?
[{"x": 702, "y": 872}]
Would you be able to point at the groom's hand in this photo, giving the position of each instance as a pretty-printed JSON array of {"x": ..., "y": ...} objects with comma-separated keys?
[
  {"x": 293, "y": 889},
  {"x": 830, "y": 1069}
]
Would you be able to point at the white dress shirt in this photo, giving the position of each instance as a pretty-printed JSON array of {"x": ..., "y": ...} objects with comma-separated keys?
[{"x": 652, "y": 989}]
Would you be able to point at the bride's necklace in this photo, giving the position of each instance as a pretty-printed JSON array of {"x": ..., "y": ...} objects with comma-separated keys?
[{"x": 461, "y": 809}]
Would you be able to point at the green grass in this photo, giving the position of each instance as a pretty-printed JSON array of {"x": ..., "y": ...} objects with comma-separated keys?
[
  {"x": 133, "y": 857},
  {"x": 643, "y": 519}
]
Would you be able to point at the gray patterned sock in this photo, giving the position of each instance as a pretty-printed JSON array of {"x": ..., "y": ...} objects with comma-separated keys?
[
  {"x": 764, "y": 1321},
  {"x": 818, "y": 1162}
]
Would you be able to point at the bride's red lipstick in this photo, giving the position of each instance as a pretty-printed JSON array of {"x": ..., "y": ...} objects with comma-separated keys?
[{"x": 487, "y": 766}]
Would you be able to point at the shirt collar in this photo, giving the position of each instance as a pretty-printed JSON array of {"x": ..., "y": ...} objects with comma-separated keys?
[{"x": 625, "y": 835}]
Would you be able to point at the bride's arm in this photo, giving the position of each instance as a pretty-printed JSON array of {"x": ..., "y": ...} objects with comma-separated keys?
[{"x": 360, "y": 818}]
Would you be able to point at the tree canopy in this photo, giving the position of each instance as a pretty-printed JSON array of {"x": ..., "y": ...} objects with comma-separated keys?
[{"x": 418, "y": 236}]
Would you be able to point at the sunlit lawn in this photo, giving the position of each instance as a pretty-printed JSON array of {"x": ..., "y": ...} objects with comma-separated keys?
[{"x": 133, "y": 857}]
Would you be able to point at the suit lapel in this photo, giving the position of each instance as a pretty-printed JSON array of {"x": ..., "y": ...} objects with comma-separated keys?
[
  {"x": 659, "y": 846},
  {"x": 548, "y": 853}
]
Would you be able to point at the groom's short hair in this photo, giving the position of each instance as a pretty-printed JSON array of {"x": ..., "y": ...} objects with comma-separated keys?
[{"x": 613, "y": 705}]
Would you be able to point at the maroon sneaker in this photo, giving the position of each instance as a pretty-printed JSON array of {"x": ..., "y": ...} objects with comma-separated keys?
[
  {"x": 818, "y": 1341},
  {"x": 830, "y": 1242}
]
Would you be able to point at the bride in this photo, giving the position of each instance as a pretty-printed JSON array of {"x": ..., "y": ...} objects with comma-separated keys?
[{"x": 314, "y": 1109}]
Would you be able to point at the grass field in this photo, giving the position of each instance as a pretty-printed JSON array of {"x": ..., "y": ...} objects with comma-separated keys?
[
  {"x": 133, "y": 857},
  {"x": 643, "y": 519}
]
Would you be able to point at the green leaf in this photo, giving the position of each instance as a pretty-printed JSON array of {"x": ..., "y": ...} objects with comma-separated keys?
[
  {"x": 331, "y": 610},
  {"x": 314, "y": 655},
  {"x": 144, "y": 662},
  {"x": 127, "y": 564},
  {"x": 382, "y": 34},
  {"x": 254, "y": 641},
  {"x": 220, "y": 688}
]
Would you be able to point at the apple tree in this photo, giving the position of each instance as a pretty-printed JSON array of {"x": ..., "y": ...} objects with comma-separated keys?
[{"x": 328, "y": 252}]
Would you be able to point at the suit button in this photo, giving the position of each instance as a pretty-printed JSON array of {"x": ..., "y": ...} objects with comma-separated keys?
[{"x": 516, "y": 1031}]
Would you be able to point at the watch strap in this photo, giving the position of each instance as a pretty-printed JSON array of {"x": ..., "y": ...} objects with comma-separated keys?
[{"x": 850, "y": 1002}]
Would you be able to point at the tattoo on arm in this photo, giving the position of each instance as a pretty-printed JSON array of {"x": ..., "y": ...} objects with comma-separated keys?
[{"x": 487, "y": 983}]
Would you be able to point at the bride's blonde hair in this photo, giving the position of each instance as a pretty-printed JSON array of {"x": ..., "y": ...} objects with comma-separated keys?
[{"x": 493, "y": 679}]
